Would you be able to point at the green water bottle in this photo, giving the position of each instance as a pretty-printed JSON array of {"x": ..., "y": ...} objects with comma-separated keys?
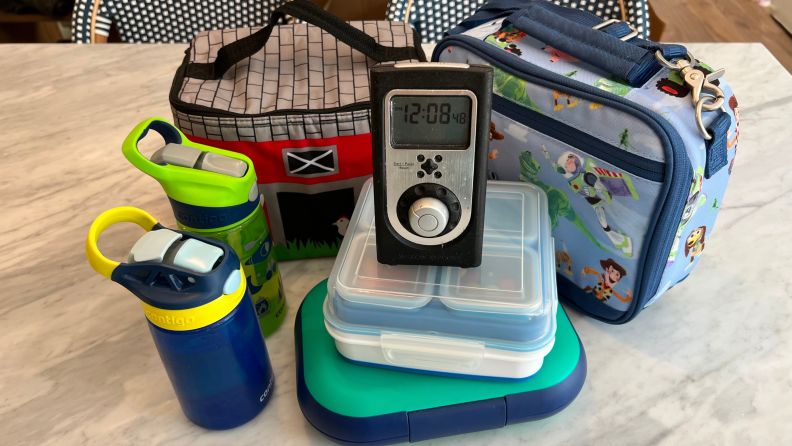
[{"x": 214, "y": 193}]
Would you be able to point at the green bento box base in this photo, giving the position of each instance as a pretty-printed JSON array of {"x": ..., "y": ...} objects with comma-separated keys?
[{"x": 359, "y": 391}]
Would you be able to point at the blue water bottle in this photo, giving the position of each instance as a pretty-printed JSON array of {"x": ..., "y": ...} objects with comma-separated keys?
[{"x": 200, "y": 315}]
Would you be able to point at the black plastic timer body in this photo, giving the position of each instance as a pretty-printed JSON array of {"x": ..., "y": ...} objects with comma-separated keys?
[{"x": 430, "y": 139}]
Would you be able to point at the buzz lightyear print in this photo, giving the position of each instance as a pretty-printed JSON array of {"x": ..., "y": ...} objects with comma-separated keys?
[
  {"x": 598, "y": 187},
  {"x": 557, "y": 200}
]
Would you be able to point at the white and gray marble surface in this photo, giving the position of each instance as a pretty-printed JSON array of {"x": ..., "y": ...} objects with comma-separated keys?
[{"x": 710, "y": 363}]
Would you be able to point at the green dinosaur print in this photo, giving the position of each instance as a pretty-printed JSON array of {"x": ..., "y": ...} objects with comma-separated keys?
[
  {"x": 624, "y": 141},
  {"x": 714, "y": 206},
  {"x": 675, "y": 77},
  {"x": 571, "y": 74},
  {"x": 614, "y": 85},
  {"x": 558, "y": 202},
  {"x": 513, "y": 88}
]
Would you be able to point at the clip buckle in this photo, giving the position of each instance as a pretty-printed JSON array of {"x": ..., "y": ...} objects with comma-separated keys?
[
  {"x": 700, "y": 84},
  {"x": 705, "y": 95},
  {"x": 634, "y": 32}
]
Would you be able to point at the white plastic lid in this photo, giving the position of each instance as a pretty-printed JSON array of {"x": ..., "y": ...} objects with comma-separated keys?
[
  {"x": 517, "y": 274},
  {"x": 197, "y": 256},
  {"x": 153, "y": 246}
]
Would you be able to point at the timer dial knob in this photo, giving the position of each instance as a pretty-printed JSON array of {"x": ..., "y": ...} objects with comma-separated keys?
[{"x": 428, "y": 217}]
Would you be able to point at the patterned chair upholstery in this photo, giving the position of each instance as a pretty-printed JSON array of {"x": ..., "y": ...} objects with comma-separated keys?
[
  {"x": 432, "y": 18},
  {"x": 164, "y": 21}
]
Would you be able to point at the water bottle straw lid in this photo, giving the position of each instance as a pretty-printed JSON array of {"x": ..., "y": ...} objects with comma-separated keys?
[
  {"x": 215, "y": 270},
  {"x": 197, "y": 178}
]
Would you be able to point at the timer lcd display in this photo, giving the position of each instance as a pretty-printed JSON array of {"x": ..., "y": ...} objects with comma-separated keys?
[{"x": 430, "y": 121}]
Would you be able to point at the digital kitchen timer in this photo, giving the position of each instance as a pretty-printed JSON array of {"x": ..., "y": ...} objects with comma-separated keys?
[{"x": 430, "y": 138}]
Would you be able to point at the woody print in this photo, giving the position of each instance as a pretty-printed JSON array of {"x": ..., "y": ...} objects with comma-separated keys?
[{"x": 611, "y": 274}]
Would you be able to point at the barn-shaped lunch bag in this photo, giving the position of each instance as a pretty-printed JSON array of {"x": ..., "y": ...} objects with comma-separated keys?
[
  {"x": 633, "y": 141},
  {"x": 294, "y": 98}
]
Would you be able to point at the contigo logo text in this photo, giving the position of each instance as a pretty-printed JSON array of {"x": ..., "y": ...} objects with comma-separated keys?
[
  {"x": 170, "y": 320},
  {"x": 202, "y": 218},
  {"x": 267, "y": 390}
]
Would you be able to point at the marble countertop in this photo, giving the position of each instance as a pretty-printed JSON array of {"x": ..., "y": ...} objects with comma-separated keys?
[{"x": 709, "y": 363}]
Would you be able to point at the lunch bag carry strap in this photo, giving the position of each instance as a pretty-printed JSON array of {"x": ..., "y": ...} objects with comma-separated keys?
[
  {"x": 572, "y": 31},
  {"x": 491, "y": 10},
  {"x": 231, "y": 54}
]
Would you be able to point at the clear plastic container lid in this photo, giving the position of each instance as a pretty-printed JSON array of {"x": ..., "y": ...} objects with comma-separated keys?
[
  {"x": 508, "y": 302},
  {"x": 516, "y": 275}
]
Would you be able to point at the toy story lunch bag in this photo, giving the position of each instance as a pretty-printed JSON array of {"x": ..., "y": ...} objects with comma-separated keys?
[
  {"x": 633, "y": 141},
  {"x": 294, "y": 98}
]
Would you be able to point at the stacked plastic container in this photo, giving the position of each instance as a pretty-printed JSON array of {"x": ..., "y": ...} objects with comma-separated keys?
[{"x": 497, "y": 321}]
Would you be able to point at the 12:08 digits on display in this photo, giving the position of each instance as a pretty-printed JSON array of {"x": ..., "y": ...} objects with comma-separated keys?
[{"x": 433, "y": 116}]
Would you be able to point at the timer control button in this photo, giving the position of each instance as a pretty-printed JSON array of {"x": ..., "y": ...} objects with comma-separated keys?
[
  {"x": 428, "y": 223},
  {"x": 429, "y": 166},
  {"x": 428, "y": 217}
]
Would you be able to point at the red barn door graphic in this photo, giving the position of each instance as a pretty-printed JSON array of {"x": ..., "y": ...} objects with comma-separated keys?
[{"x": 306, "y": 186}]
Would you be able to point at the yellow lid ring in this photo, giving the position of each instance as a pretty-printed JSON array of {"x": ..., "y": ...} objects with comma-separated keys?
[{"x": 198, "y": 317}]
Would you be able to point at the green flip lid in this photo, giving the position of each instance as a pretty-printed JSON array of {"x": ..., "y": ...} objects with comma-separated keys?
[{"x": 192, "y": 173}]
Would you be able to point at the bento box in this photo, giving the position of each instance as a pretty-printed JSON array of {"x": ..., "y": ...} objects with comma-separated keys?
[
  {"x": 354, "y": 405},
  {"x": 496, "y": 321}
]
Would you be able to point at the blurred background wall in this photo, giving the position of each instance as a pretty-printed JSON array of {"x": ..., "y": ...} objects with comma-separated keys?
[{"x": 49, "y": 21}]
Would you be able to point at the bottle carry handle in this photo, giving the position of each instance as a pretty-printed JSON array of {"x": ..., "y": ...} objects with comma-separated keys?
[
  {"x": 182, "y": 181},
  {"x": 169, "y": 133},
  {"x": 164, "y": 305},
  {"x": 201, "y": 282},
  {"x": 125, "y": 214}
]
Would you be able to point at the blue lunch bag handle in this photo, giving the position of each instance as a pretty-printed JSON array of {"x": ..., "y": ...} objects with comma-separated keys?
[{"x": 572, "y": 31}]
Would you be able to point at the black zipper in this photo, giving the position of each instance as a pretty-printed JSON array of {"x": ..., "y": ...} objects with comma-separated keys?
[
  {"x": 203, "y": 110},
  {"x": 634, "y": 164}
]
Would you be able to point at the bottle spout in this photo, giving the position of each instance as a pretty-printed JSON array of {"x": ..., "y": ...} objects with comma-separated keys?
[
  {"x": 192, "y": 158},
  {"x": 166, "y": 247}
]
